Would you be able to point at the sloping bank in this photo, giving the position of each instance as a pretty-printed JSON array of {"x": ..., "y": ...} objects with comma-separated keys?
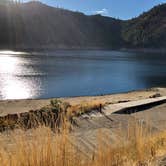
[{"x": 51, "y": 112}]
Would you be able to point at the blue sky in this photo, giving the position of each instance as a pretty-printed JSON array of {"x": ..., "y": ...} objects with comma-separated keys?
[{"x": 123, "y": 9}]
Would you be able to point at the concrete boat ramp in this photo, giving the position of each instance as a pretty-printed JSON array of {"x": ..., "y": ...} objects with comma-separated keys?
[
  {"x": 128, "y": 107},
  {"x": 116, "y": 119}
]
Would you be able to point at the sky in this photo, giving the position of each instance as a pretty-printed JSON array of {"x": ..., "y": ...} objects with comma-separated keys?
[{"x": 122, "y": 9}]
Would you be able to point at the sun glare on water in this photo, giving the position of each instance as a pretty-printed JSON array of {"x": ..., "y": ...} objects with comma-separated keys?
[
  {"x": 8, "y": 64},
  {"x": 10, "y": 52},
  {"x": 12, "y": 85},
  {"x": 16, "y": 89}
]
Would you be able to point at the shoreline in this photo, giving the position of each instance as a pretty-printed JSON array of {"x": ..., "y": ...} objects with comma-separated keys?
[
  {"x": 47, "y": 49},
  {"x": 25, "y": 105}
]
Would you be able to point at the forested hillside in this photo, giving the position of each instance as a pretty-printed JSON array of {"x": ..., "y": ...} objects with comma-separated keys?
[
  {"x": 148, "y": 30},
  {"x": 36, "y": 25}
]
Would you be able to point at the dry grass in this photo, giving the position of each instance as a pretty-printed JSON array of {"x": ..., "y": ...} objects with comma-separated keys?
[
  {"x": 50, "y": 115},
  {"x": 85, "y": 107},
  {"x": 34, "y": 118},
  {"x": 42, "y": 147}
]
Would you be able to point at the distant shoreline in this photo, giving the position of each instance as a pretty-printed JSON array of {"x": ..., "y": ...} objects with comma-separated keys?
[
  {"x": 40, "y": 49},
  {"x": 145, "y": 50}
]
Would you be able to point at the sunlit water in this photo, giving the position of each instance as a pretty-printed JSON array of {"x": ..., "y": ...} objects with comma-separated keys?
[{"x": 78, "y": 73}]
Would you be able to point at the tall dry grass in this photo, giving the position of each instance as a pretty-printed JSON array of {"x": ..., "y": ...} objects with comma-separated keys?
[{"x": 42, "y": 147}]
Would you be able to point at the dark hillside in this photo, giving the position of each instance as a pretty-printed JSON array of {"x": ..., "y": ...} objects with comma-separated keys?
[
  {"x": 148, "y": 30},
  {"x": 36, "y": 25}
]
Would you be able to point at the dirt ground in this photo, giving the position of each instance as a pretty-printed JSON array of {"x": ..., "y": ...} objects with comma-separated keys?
[{"x": 18, "y": 106}]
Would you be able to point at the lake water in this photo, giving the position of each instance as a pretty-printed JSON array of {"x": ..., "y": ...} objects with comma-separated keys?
[{"x": 78, "y": 73}]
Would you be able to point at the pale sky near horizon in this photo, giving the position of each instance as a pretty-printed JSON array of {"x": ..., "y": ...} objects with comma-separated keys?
[{"x": 123, "y": 9}]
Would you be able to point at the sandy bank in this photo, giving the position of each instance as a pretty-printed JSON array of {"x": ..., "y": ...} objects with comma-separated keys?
[{"x": 18, "y": 106}]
